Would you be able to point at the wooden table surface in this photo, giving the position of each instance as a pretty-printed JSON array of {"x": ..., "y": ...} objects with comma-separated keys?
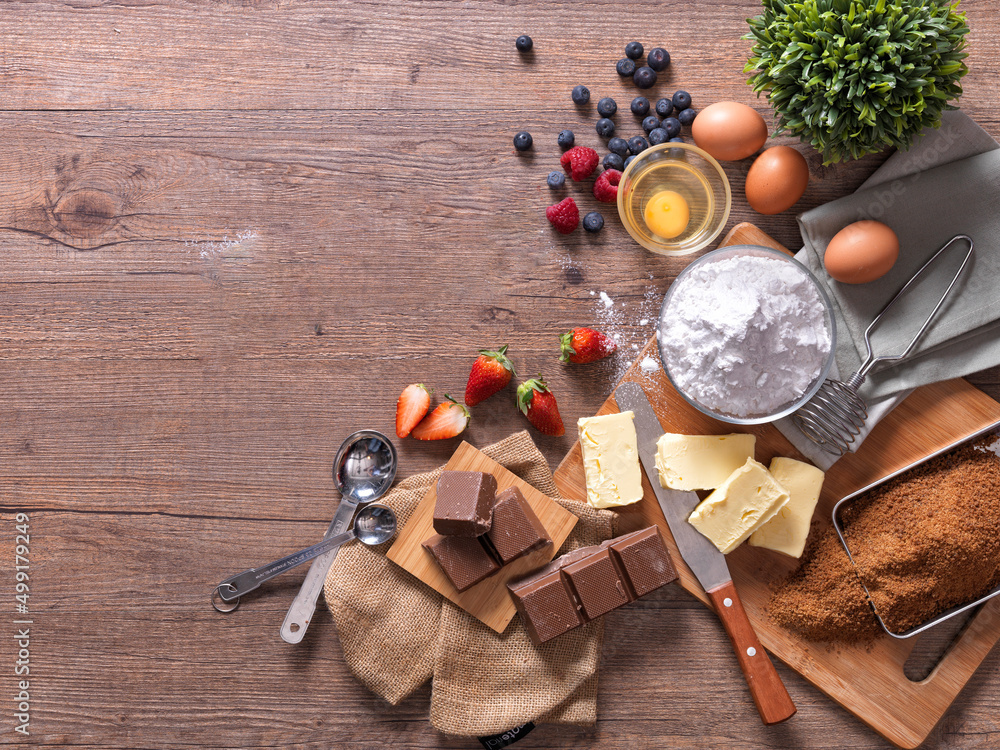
[{"x": 230, "y": 233}]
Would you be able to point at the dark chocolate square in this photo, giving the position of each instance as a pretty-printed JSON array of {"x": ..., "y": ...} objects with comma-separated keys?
[
  {"x": 596, "y": 584},
  {"x": 546, "y": 606},
  {"x": 463, "y": 559},
  {"x": 516, "y": 529},
  {"x": 464, "y": 505},
  {"x": 643, "y": 560}
]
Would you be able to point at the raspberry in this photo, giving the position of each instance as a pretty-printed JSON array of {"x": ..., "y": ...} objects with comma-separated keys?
[
  {"x": 564, "y": 215},
  {"x": 580, "y": 162},
  {"x": 606, "y": 186}
]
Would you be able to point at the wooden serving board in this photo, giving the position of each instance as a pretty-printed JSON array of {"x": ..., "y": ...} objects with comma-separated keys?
[
  {"x": 488, "y": 600},
  {"x": 867, "y": 680}
]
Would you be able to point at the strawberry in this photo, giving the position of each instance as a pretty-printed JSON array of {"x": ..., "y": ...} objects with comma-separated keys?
[
  {"x": 564, "y": 215},
  {"x": 446, "y": 421},
  {"x": 583, "y": 345},
  {"x": 579, "y": 162},
  {"x": 606, "y": 186},
  {"x": 413, "y": 404},
  {"x": 538, "y": 404},
  {"x": 490, "y": 373}
]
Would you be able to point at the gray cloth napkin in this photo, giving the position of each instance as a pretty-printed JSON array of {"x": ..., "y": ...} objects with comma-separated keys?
[{"x": 947, "y": 183}]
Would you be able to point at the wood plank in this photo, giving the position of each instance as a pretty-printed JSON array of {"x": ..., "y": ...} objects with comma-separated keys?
[{"x": 489, "y": 600}]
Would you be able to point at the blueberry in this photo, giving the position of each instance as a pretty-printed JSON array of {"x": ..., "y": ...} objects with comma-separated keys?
[
  {"x": 523, "y": 43},
  {"x": 673, "y": 126},
  {"x": 629, "y": 160},
  {"x": 522, "y": 141},
  {"x": 637, "y": 143},
  {"x": 664, "y": 108},
  {"x": 566, "y": 139},
  {"x": 618, "y": 146},
  {"x": 605, "y": 127},
  {"x": 581, "y": 94},
  {"x": 556, "y": 180},
  {"x": 681, "y": 100},
  {"x": 644, "y": 77},
  {"x": 658, "y": 58},
  {"x": 658, "y": 136},
  {"x": 640, "y": 106},
  {"x": 676, "y": 139},
  {"x": 650, "y": 123},
  {"x": 593, "y": 222},
  {"x": 633, "y": 50},
  {"x": 625, "y": 67},
  {"x": 614, "y": 161},
  {"x": 686, "y": 116},
  {"x": 607, "y": 107}
]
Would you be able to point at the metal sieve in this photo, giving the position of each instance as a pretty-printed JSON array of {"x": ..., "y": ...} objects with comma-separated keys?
[{"x": 839, "y": 526}]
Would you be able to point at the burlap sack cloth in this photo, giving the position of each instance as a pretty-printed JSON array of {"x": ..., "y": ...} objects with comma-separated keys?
[{"x": 397, "y": 632}]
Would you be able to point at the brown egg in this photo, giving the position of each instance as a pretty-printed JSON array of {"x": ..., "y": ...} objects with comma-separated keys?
[
  {"x": 861, "y": 252},
  {"x": 776, "y": 180},
  {"x": 729, "y": 131}
]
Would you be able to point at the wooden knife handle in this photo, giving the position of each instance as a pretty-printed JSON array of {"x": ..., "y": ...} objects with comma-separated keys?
[{"x": 769, "y": 694}]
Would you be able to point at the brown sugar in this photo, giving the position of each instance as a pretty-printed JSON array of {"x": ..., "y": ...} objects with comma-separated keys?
[{"x": 923, "y": 542}]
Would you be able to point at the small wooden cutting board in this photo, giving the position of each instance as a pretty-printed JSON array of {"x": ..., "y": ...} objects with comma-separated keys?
[
  {"x": 489, "y": 600},
  {"x": 867, "y": 680}
]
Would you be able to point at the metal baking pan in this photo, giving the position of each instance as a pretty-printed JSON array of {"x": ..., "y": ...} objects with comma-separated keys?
[{"x": 991, "y": 429}]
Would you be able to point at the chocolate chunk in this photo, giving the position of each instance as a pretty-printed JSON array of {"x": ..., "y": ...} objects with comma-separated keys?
[
  {"x": 642, "y": 561},
  {"x": 547, "y": 607},
  {"x": 462, "y": 558},
  {"x": 464, "y": 504},
  {"x": 596, "y": 584},
  {"x": 516, "y": 529},
  {"x": 597, "y": 579}
]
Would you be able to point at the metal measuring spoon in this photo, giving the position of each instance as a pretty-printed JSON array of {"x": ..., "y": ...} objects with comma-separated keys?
[
  {"x": 375, "y": 524},
  {"x": 363, "y": 471}
]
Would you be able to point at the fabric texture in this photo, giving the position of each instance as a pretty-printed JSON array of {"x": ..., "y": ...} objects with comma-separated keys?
[
  {"x": 396, "y": 632},
  {"x": 946, "y": 184}
]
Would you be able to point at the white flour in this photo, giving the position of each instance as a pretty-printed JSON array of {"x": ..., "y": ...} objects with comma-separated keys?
[{"x": 745, "y": 335}]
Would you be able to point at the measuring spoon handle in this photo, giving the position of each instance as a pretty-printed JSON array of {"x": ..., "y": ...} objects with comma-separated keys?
[{"x": 238, "y": 585}]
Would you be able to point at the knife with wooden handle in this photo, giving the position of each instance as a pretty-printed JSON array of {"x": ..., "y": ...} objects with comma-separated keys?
[{"x": 708, "y": 565}]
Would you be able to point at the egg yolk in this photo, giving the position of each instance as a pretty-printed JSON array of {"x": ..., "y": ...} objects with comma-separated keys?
[{"x": 667, "y": 214}]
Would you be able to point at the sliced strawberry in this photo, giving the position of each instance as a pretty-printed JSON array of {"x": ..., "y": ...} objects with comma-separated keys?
[
  {"x": 490, "y": 373},
  {"x": 583, "y": 345},
  {"x": 413, "y": 404},
  {"x": 446, "y": 421},
  {"x": 538, "y": 404}
]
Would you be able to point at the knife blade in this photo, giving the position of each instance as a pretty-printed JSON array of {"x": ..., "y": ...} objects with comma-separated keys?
[{"x": 708, "y": 565}]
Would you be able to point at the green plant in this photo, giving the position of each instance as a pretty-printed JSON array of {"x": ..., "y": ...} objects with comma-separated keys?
[{"x": 851, "y": 77}]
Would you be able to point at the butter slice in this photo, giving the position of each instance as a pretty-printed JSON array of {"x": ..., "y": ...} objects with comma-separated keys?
[
  {"x": 700, "y": 462},
  {"x": 610, "y": 460},
  {"x": 743, "y": 503},
  {"x": 786, "y": 532}
]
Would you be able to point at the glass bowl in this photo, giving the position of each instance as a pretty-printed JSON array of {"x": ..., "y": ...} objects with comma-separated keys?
[
  {"x": 685, "y": 169},
  {"x": 667, "y": 313}
]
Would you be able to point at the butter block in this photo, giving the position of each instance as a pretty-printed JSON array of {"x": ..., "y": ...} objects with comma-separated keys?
[
  {"x": 745, "y": 501},
  {"x": 610, "y": 460},
  {"x": 700, "y": 462},
  {"x": 786, "y": 532}
]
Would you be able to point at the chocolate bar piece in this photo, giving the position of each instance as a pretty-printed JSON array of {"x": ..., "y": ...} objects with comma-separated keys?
[
  {"x": 546, "y": 606},
  {"x": 596, "y": 579},
  {"x": 462, "y": 558},
  {"x": 464, "y": 504},
  {"x": 516, "y": 529}
]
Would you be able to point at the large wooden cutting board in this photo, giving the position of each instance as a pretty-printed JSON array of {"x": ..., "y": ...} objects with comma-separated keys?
[{"x": 868, "y": 680}]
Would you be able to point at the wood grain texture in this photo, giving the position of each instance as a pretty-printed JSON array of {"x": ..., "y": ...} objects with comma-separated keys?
[
  {"x": 487, "y": 601},
  {"x": 230, "y": 233},
  {"x": 867, "y": 679}
]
